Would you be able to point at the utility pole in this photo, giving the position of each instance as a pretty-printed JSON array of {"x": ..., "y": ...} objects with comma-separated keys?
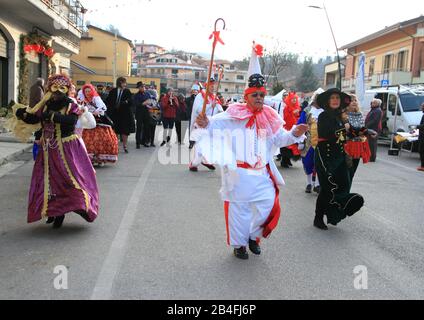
[
  {"x": 115, "y": 53},
  {"x": 335, "y": 43}
]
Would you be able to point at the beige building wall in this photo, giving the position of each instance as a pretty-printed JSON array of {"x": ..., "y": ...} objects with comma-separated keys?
[{"x": 97, "y": 53}]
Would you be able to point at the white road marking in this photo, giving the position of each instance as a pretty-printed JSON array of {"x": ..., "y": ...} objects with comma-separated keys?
[{"x": 112, "y": 264}]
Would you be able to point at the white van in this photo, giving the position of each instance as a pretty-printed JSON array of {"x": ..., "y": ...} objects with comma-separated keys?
[{"x": 408, "y": 100}]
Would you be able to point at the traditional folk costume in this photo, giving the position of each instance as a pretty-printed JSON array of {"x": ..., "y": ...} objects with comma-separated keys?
[
  {"x": 63, "y": 178},
  {"x": 310, "y": 116},
  {"x": 101, "y": 142},
  {"x": 212, "y": 108},
  {"x": 243, "y": 142},
  {"x": 335, "y": 200},
  {"x": 357, "y": 146},
  {"x": 291, "y": 116}
]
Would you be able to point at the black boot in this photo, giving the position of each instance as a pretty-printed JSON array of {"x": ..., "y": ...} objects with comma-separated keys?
[
  {"x": 354, "y": 205},
  {"x": 319, "y": 222},
  {"x": 50, "y": 220},
  {"x": 254, "y": 247},
  {"x": 241, "y": 253},
  {"x": 308, "y": 188},
  {"x": 58, "y": 221}
]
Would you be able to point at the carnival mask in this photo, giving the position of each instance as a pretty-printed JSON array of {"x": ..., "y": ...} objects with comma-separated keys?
[{"x": 55, "y": 88}]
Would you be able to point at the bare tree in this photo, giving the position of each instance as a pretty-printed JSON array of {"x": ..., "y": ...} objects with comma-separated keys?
[{"x": 275, "y": 62}]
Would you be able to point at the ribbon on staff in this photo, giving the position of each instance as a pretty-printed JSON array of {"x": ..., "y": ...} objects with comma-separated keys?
[{"x": 216, "y": 35}]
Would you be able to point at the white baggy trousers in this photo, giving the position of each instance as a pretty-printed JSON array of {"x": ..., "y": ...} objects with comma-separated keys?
[{"x": 244, "y": 220}]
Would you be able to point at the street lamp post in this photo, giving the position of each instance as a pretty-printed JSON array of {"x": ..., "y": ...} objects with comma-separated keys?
[{"x": 335, "y": 43}]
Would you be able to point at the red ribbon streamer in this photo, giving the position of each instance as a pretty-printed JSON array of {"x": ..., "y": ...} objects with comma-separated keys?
[{"x": 216, "y": 38}]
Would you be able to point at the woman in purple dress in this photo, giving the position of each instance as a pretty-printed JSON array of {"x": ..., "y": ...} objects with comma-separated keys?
[{"x": 63, "y": 178}]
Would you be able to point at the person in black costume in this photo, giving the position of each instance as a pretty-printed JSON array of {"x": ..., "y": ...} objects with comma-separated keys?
[{"x": 335, "y": 200}]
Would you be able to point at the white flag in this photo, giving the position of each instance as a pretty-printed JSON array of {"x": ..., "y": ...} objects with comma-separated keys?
[{"x": 360, "y": 79}]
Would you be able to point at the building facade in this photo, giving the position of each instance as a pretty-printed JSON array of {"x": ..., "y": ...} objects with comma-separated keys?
[
  {"x": 54, "y": 26},
  {"x": 181, "y": 71},
  {"x": 103, "y": 57},
  {"x": 394, "y": 55}
]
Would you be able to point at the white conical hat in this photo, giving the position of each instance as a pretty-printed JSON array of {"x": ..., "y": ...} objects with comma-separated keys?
[{"x": 254, "y": 65}]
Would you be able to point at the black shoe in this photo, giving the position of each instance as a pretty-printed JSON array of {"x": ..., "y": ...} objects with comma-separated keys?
[
  {"x": 58, "y": 221},
  {"x": 284, "y": 164},
  {"x": 168, "y": 139},
  {"x": 308, "y": 188},
  {"x": 290, "y": 164},
  {"x": 126, "y": 150},
  {"x": 138, "y": 146},
  {"x": 191, "y": 145},
  {"x": 241, "y": 253},
  {"x": 163, "y": 143},
  {"x": 209, "y": 166},
  {"x": 317, "y": 189},
  {"x": 319, "y": 223},
  {"x": 152, "y": 145},
  {"x": 193, "y": 169},
  {"x": 279, "y": 157},
  {"x": 354, "y": 205},
  {"x": 50, "y": 220},
  {"x": 254, "y": 247},
  {"x": 146, "y": 145}
]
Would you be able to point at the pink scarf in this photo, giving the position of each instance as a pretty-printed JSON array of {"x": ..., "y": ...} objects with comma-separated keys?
[{"x": 267, "y": 120}]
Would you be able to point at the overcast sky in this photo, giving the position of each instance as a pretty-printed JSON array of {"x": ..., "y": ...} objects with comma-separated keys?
[{"x": 187, "y": 24}]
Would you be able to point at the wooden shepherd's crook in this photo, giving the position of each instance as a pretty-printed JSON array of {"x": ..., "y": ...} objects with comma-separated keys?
[{"x": 216, "y": 39}]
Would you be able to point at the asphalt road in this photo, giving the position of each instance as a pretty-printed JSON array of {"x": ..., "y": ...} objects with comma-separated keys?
[{"x": 161, "y": 235}]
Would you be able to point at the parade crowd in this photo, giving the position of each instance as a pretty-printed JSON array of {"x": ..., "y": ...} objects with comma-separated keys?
[{"x": 76, "y": 131}]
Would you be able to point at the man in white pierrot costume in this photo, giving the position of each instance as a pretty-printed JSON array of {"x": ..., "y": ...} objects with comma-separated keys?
[
  {"x": 242, "y": 141},
  {"x": 212, "y": 108}
]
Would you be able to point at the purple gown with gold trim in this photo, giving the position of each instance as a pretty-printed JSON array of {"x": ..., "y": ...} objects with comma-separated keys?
[{"x": 63, "y": 178}]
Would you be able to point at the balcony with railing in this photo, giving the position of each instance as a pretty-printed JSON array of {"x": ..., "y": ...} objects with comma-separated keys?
[
  {"x": 52, "y": 18},
  {"x": 391, "y": 76},
  {"x": 71, "y": 10}
]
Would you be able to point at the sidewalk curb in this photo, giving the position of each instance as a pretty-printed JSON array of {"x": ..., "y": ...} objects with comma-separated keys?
[{"x": 14, "y": 155}]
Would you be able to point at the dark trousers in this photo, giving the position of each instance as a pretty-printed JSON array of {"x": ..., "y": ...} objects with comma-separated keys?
[
  {"x": 421, "y": 150},
  {"x": 152, "y": 134},
  {"x": 373, "y": 147},
  {"x": 147, "y": 131},
  {"x": 178, "y": 129},
  {"x": 139, "y": 130}
]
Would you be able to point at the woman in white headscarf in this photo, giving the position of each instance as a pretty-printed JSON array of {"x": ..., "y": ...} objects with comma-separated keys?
[{"x": 101, "y": 142}]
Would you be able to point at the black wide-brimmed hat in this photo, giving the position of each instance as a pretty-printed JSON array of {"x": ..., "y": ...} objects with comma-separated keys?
[{"x": 324, "y": 98}]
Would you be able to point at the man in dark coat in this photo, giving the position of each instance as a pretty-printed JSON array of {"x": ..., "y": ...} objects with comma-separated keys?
[
  {"x": 373, "y": 122},
  {"x": 36, "y": 92},
  {"x": 119, "y": 103},
  {"x": 140, "y": 101},
  {"x": 421, "y": 140}
]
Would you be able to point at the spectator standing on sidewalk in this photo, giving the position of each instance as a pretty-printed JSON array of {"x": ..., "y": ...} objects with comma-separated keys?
[
  {"x": 181, "y": 116},
  {"x": 373, "y": 122},
  {"x": 169, "y": 105},
  {"x": 140, "y": 101},
  {"x": 36, "y": 94}
]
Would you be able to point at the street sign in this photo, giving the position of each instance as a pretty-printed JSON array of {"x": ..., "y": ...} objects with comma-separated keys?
[{"x": 384, "y": 83}]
